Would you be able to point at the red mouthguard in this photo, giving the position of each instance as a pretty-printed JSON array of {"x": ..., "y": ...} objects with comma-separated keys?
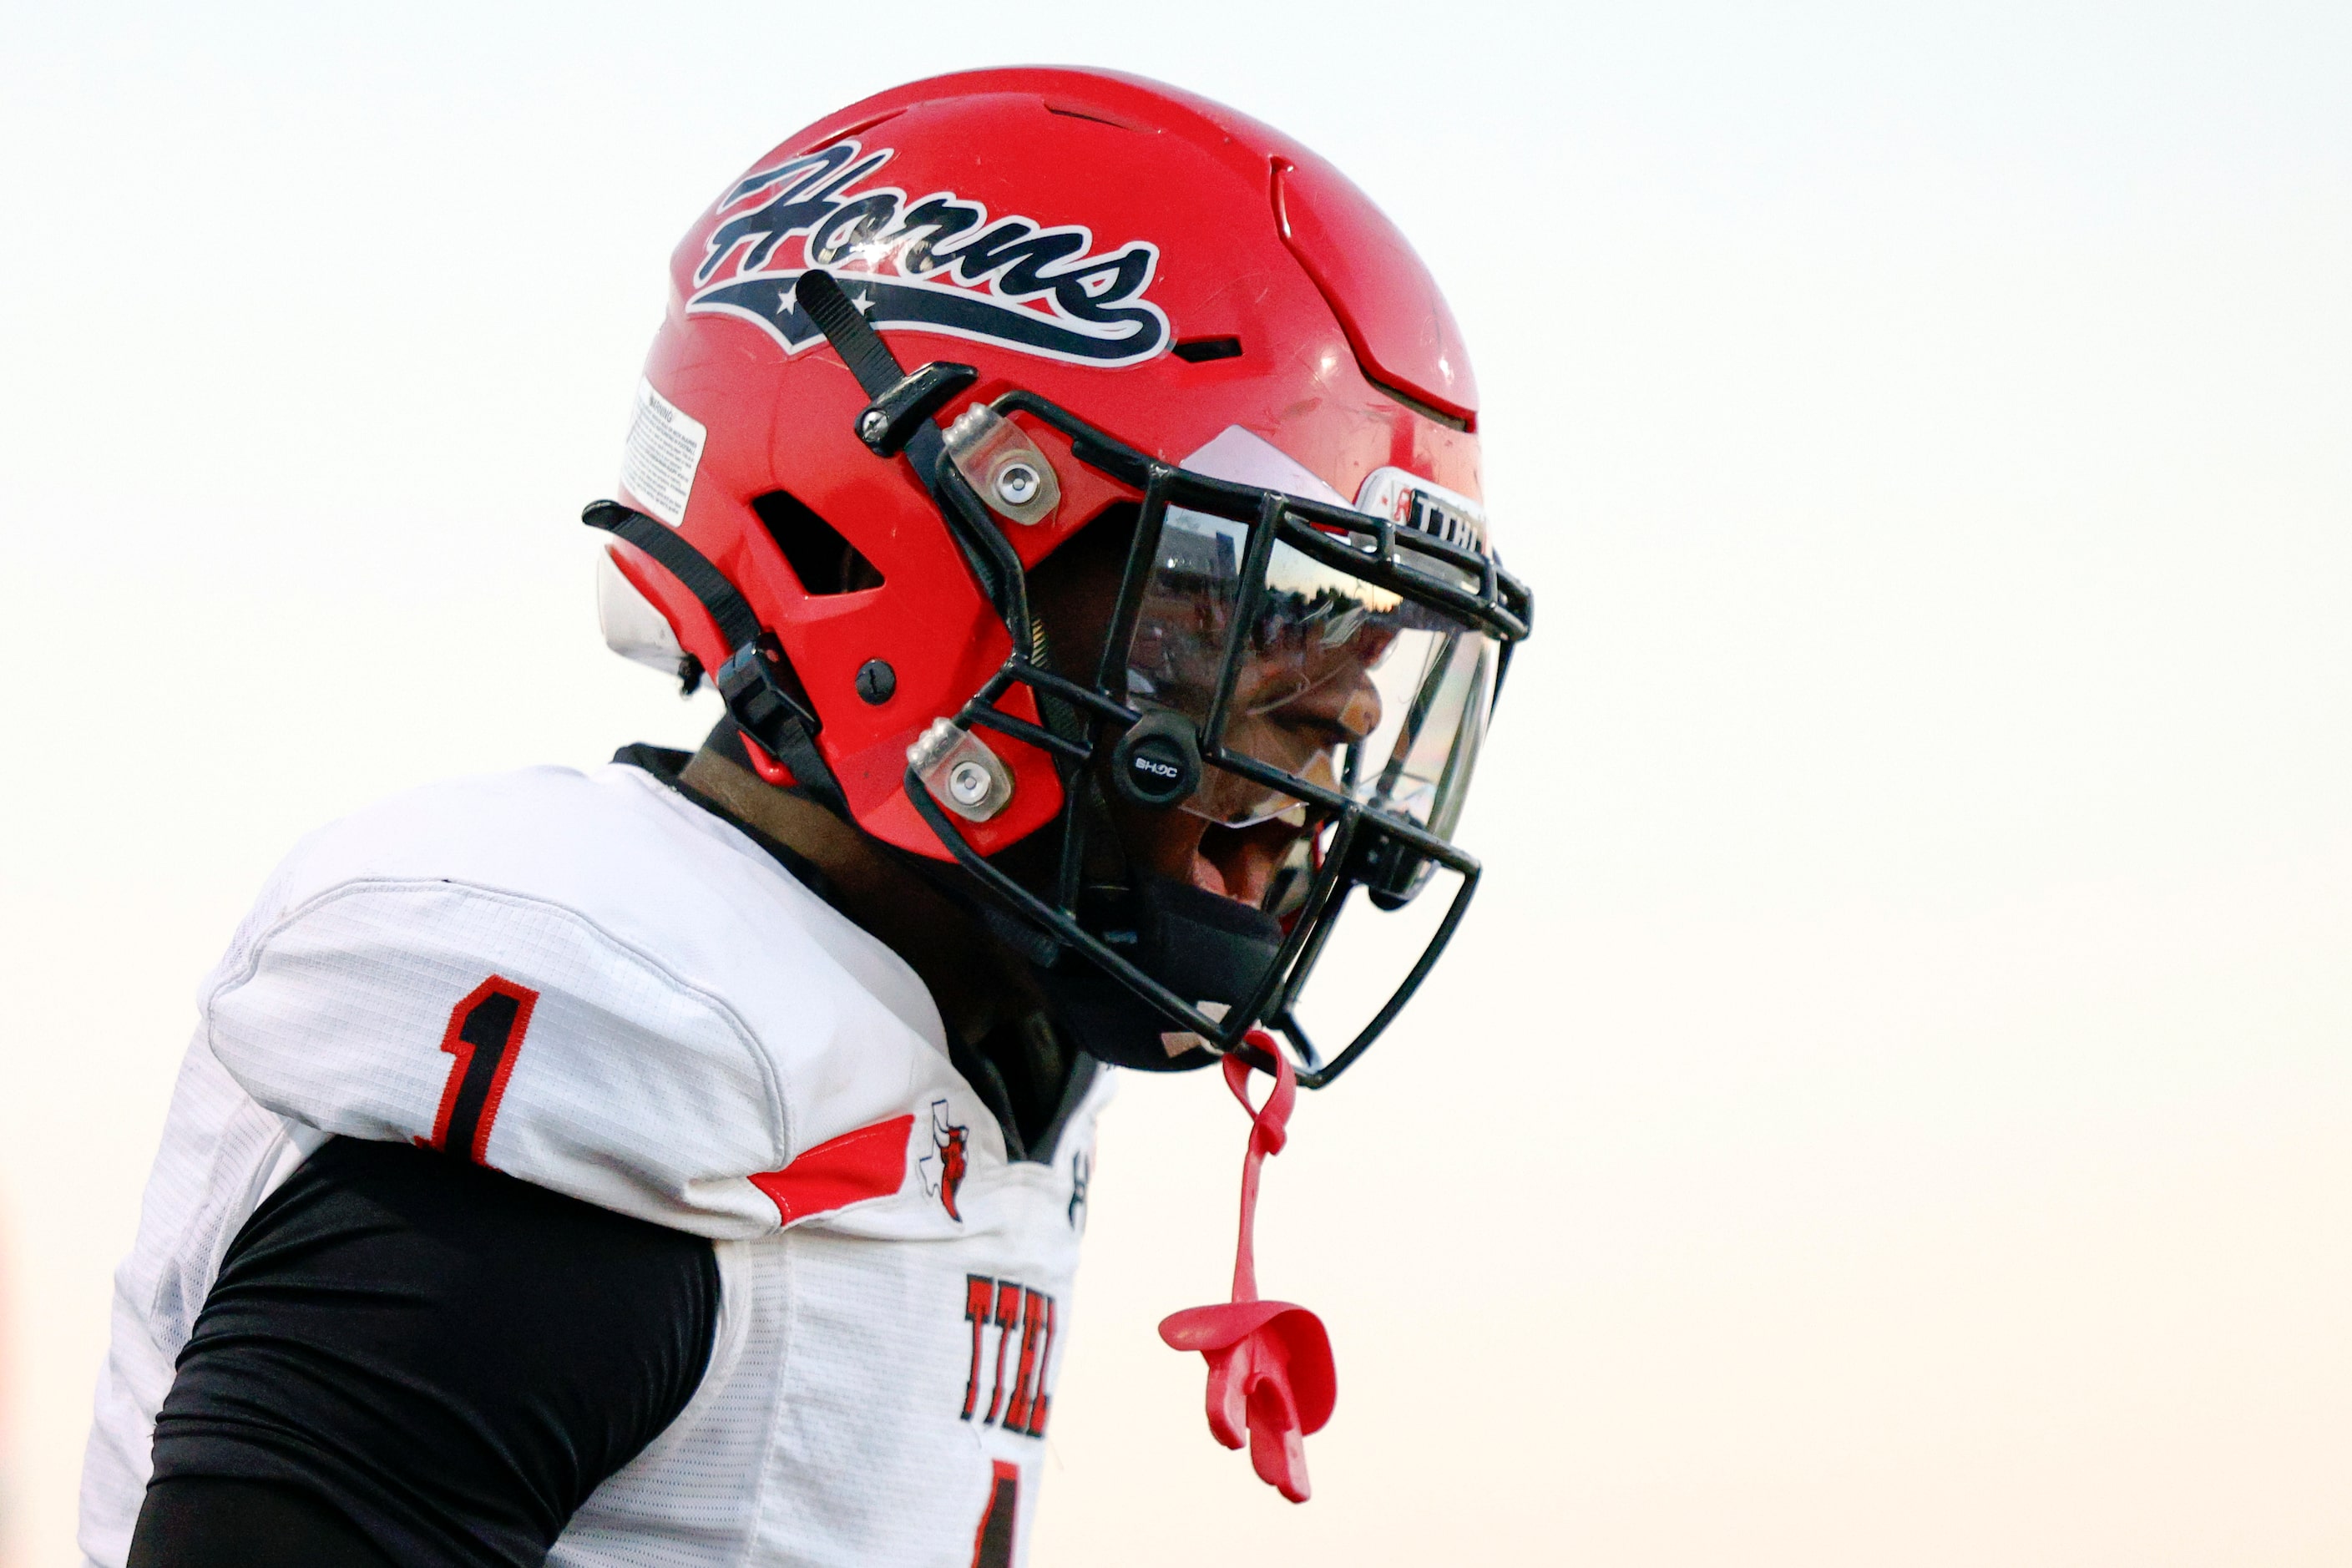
[{"x": 1270, "y": 1367}]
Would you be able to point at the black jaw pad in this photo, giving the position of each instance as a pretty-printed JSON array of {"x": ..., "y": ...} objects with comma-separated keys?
[{"x": 1202, "y": 946}]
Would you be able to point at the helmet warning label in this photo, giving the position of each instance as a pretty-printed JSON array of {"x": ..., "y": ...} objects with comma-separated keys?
[{"x": 660, "y": 460}]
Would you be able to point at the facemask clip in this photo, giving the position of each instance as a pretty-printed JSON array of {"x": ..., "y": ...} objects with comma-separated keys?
[
  {"x": 1003, "y": 466},
  {"x": 960, "y": 772}
]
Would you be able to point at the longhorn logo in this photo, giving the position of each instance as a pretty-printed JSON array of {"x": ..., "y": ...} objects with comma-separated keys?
[{"x": 943, "y": 1168}]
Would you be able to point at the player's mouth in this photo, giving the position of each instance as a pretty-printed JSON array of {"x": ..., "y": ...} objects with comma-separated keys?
[{"x": 1239, "y": 863}]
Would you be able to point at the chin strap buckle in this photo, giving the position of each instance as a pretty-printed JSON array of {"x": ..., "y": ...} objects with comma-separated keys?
[
  {"x": 1270, "y": 1380},
  {"x": 752, "y": 683},
  {"x": 765, "y": 700}
]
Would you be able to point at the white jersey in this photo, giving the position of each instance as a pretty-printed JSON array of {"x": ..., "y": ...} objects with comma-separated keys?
[{"x": 591, "y": 984}]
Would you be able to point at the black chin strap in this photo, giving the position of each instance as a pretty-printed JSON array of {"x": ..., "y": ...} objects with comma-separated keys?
[
  {"x": 994, "y": 566},
  {"x": 762, "y": 695}
]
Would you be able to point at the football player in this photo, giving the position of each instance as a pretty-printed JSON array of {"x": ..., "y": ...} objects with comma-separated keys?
[{"x": 1071, "y": 488}]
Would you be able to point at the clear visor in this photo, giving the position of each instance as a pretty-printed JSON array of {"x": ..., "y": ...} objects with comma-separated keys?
[{"x": 1340, "y": 682}]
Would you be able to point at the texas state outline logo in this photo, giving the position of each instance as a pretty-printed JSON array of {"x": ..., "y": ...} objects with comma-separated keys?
[{"x": 936, "y": 262}]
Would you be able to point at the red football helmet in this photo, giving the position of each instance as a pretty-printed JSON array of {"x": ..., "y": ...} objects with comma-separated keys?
[{"x": 1119, "y": 302}]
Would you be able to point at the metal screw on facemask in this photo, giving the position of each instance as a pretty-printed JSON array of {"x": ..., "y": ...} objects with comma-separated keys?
[
  {"x": 873, "y": 424},
  {"x": 1017, "y": 483},
  {"x": 968, "y": 784}
]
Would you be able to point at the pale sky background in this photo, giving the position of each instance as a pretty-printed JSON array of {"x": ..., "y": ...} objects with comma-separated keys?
[{"x": 1889, "y": 1106}]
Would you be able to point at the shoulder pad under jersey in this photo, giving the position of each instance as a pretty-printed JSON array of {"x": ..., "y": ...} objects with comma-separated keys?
[{"x": 584, "y": 981}]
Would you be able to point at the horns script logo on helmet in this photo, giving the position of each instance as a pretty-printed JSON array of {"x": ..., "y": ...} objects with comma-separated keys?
[{"x": 938, "y": 263}]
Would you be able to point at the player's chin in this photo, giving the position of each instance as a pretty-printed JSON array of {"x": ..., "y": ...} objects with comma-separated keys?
[{"x": 1240, "y": 863}]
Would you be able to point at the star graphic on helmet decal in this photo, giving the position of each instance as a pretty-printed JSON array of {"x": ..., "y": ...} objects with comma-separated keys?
[{"x": 865, "y": 301}]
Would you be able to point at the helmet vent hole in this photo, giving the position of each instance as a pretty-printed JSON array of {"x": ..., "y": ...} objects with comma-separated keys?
[
  {"x": 825, "y": 561},
  {"x": 1427, "y": 411},
  {"x": 1196, "y": 351},
  {"x": 1096, "y": 112}
]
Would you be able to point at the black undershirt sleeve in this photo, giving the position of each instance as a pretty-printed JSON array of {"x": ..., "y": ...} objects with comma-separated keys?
[
  {"x": 203, "y": 1522},
  {"x": 446, "y": 1358}
]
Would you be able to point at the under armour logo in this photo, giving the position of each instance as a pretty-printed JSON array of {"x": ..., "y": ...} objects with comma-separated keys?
[{"x": 1082, "y": 1166}]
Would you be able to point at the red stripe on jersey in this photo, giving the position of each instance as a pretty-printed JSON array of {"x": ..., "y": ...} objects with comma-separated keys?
[{"x": 870, "y": 1162}]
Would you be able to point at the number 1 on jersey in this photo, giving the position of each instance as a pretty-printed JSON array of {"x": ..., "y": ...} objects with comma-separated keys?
[{"x": 484, "y": 1036}]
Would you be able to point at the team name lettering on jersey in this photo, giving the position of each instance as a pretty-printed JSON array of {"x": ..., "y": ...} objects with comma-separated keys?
[{"x": 1017, "y": 1397}]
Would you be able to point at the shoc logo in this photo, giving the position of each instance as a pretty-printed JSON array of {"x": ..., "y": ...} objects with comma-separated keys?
[{"x": 938, "y": 262}]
